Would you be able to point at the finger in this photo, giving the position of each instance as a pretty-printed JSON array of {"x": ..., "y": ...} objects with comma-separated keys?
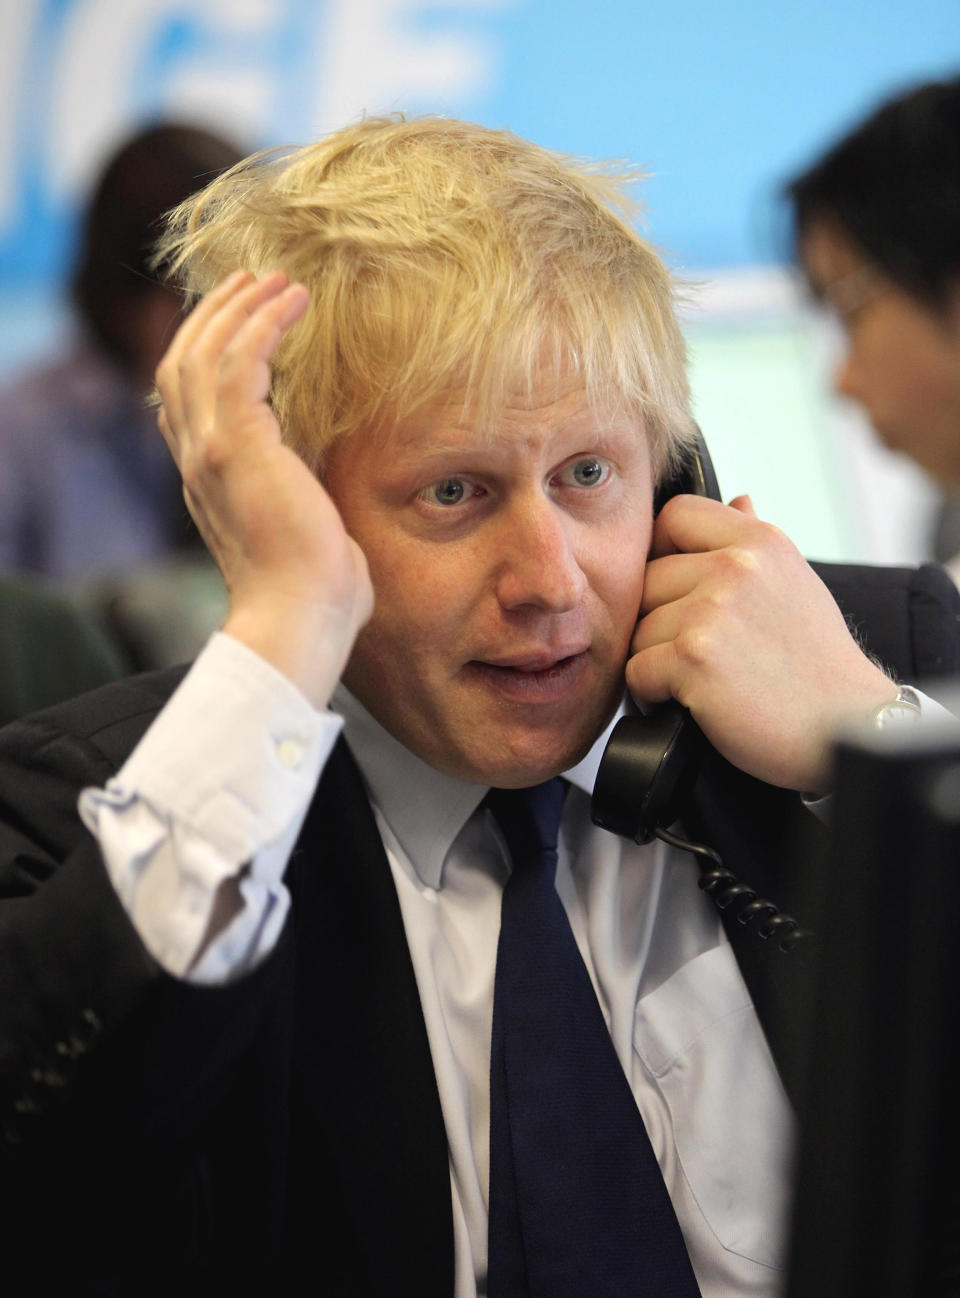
[
  {"x": 197, "y": 366},
  {"x": 167, "y": 372},
  {"x": 186, "y": 375},
  {"x": 659, "y": 626},
  {"x": 214, "y": 327},
  {"x": 244, "y": 379},
  {"x": 690, "y": 524},
  {"x": 259, "y": 336},
  {"x": 649, "y": 674},
  {"x": 670, "y": 578},
  {"x": 208, "y": 305},
  {"x": 677, "y": 653},
  {"x": 744, "y": 505}
]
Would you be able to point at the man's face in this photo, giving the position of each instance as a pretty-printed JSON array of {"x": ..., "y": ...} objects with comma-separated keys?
[
  {"x": 507, "y": 563},
  {"x": 902, "y": 360}
]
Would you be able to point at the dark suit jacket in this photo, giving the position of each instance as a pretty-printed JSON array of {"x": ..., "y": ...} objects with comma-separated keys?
[{"x": 156, "y": 1135}]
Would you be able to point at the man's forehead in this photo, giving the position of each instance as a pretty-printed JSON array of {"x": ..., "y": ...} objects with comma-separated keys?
[{"x": 532, "y": 415}]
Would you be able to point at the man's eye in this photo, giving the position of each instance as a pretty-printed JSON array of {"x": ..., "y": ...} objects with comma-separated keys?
[
  {"x": 588, "y": 472},
  {"x": 448, "y": 491}
]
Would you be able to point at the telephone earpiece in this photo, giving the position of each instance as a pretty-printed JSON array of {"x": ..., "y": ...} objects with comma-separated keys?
[{"x": 648, "y": 768}]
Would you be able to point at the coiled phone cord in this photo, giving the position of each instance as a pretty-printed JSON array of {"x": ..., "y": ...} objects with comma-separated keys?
[{"x": 716, "y": 880}]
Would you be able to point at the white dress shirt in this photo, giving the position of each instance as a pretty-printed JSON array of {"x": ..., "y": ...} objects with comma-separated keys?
[{"x": 224, "y": 777}]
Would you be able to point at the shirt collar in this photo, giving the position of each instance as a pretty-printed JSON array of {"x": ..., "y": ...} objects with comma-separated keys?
[{"x": 425, "y": 808}]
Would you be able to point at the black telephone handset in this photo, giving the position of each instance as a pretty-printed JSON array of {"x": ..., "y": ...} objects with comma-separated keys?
[{"x": 651, "y": 763}]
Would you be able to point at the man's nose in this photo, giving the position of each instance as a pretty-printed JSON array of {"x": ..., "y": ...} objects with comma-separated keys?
[{"x": 540, "y": 566}]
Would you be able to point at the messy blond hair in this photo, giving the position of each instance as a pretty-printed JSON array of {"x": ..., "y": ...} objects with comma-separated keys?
[{"x": 442, "y": 256}]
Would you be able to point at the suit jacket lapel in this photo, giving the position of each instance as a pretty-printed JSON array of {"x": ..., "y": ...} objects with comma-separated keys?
[{"x": 365, "y": 1089}]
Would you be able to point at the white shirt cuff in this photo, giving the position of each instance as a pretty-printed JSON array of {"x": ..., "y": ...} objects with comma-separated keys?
[{"x": 223, "y": 778}]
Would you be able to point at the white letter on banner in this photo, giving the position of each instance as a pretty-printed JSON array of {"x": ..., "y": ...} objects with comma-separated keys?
[
  {"x": 92, "y": 95},
  {"x": 15, "y": 21},
  {"x": 374, "y": 61}
]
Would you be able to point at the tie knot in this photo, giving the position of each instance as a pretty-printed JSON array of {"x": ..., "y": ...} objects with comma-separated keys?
[{"x": 529, "y": 818}]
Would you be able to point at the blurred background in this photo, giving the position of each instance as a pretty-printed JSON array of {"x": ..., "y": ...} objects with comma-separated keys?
[{"x": 719, "y": 102}]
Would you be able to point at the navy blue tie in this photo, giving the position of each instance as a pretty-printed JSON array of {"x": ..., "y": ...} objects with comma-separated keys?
[{"x": 578, "y": 1206}]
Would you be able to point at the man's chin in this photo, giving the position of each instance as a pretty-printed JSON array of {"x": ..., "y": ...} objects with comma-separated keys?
[
  {"x": 520, "y": 760},
  {"x": 501, "y": 744}
]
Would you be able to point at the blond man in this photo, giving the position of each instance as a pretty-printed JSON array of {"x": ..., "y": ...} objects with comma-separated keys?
[{"x": 420, "y": 411}]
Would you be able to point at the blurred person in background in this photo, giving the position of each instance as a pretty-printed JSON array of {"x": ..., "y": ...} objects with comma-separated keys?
[
  {"x": 877, "y": 231},
  {"x": 87, "y": 491}
]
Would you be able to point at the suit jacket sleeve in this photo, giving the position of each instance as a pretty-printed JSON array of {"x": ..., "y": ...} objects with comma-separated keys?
[
  {"x": 909, "y": 619},
  {"x": 112, "y": 1074}
]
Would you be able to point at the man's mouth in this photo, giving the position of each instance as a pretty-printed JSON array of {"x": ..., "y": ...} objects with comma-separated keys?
[{"x": 538, "y": 677}]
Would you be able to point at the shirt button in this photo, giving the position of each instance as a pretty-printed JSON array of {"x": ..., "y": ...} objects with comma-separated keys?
[{"x": 289, "y": 753}]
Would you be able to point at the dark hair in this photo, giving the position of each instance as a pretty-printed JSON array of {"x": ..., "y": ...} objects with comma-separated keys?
[
  {"x": 893, "y": 186},
  {"x": 151, "y": 172}
]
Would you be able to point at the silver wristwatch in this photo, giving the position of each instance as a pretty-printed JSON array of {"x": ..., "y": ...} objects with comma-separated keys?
[{"x": 900, "y": 713}]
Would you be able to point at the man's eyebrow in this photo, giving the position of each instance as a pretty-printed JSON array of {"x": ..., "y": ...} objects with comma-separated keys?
[
  {"x": 414, "y": 453},
  {"x": 413, "y": 448},
  {"x": 582, "y": 423}
]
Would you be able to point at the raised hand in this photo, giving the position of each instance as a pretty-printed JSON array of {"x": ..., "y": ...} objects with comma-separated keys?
[
  {"x": 738, "y": 627},
  {"x": 298, "y": 584}
]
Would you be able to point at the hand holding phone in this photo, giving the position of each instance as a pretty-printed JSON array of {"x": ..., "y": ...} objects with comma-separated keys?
[
  {"x": 738, "y": 627},
  {"x": 651, "y": 761}
]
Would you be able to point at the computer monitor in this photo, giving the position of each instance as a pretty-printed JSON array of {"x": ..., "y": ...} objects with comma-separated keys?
[{"x": 877, "y": 1208}]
